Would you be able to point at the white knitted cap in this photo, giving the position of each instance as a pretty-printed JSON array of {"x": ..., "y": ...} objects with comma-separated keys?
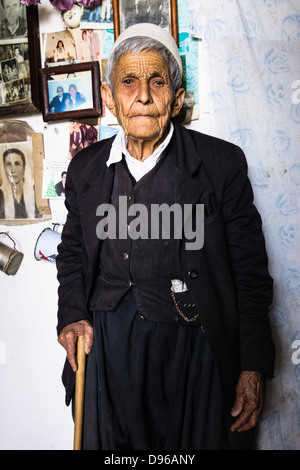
[{"x": 152, "y": 31}]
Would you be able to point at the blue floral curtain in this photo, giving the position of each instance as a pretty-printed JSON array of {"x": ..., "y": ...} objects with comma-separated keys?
[{"x": 252, "y": 66}]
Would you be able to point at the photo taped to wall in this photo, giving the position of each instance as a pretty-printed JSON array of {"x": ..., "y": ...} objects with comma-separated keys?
[
  {"x": 17, "y": 188},
  {"x": 88, "y": 44},
  {"x": 82, "y": 134},
  {"x": 58, "y": 48}
]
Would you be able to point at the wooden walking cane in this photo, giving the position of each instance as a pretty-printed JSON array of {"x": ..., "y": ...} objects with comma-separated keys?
[{"x": 79, "y": 393}]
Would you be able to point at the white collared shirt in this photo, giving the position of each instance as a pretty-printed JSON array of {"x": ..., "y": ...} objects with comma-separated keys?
[
  {"x": 136, "y": 167},
  {"x": 12, "y": 31}
]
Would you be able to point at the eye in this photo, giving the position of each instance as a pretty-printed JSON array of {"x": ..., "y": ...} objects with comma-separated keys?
[
  {"x": 158, "y": 82},
  {"x": 128, "y": 81}
]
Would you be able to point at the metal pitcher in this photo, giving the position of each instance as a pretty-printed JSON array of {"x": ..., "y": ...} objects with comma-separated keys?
[{"x": 10, "y": 258}]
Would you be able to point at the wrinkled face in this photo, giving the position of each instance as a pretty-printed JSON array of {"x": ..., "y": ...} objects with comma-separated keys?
[
  {"x": 143, "y": 100},
  {"x": 72, "y": 91},
  {"x": 14, "y": 168}
]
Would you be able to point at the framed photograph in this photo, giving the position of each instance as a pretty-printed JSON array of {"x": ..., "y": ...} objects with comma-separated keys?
[
  {"x": 19, "y": 59},
  {"x": 71, "y": 91},
  {"x": 160, "y": 12}
]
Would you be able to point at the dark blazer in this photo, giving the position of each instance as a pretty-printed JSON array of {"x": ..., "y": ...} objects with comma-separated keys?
[
  {"x": 228, "y": 277},
  {"x": 58, "y": 105},
  {"x": 59, "y": 188},
  {"x": 79, "y": 100}
]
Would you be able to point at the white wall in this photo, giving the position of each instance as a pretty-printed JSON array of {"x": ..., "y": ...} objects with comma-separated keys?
[
  {"x": 32, "y": 410},
  {"x": 33, "y": 415}
]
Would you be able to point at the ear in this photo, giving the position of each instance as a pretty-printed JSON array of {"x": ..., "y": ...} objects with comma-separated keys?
[
  {"x": 108, "y": 98},
  {"x": 178, "y": 101}
]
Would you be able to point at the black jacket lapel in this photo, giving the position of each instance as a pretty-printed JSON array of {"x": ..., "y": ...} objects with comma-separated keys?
[{"x": 99, "y": 184}]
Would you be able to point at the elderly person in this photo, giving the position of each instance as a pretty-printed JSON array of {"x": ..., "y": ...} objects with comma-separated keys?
[
  {"x": 177, "y": 336},
  {"x": 58, "y": 103},
  {"x": 76, "y": 99}
]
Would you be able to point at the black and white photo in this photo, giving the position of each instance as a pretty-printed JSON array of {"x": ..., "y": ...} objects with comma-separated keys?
[
  {"x": 17, "y": 189},
  {"x": 20, "y": 91},
  {"x": 13, "y": 19},
  {"x": 144, "y": 11},
  {"x": 15, "y": 74}
]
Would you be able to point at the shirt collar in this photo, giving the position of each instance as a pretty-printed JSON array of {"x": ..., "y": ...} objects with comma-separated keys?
[
  {"x": 119, "y": 147},
  {"x": 15, "y": 29}
]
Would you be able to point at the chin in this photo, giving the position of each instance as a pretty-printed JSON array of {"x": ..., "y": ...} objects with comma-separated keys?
[{"x": 142, "y": 131}]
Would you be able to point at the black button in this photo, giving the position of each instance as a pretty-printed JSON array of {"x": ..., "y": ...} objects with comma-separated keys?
[{"x": 193, "y": 274}]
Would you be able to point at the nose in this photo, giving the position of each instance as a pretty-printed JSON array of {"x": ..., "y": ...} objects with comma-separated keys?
[{"x": 144, "y": 94}]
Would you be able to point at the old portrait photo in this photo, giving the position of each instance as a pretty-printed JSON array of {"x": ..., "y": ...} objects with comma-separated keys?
[
  {"x": 82, "y": 134},
  {"x": 144, "y": 11},
  {"x": 58, "y": 48},
  {"x": 17, "y": 189},
  {"x": 13, "y": 21},
  {"x": 88, "y": 44}
]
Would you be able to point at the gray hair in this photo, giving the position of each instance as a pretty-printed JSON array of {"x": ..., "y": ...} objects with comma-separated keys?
[{"x": 139, "y": 44}]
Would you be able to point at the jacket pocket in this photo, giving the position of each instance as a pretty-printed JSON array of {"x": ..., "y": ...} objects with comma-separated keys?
[{"x": 186, "y": 308}]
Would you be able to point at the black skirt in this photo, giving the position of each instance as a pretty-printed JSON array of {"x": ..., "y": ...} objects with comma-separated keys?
[{"x": 153, "y": 386}]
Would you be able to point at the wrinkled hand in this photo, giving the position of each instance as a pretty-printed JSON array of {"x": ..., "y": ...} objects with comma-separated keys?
[
  {"x": 248, "y": 403},
  {"x": 68, "y": 339}
]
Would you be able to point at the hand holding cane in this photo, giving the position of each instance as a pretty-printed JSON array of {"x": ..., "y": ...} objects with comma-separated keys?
[{"x": 79, "y": 393}]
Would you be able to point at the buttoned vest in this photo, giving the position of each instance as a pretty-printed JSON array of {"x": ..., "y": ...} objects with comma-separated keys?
[{"x": 143, "y": 256}]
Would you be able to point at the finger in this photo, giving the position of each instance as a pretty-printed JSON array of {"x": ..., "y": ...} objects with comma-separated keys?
[
  {"x": 241, "y": 421},
  {"x": 89, "y": 340},
  {"x": 244, "y": 428},
  {"x": 238, "y": 406},
  {"x": 71, "y": 341},
  {"x": 248, "y": 410},
  {"x": 249, "y": 418},
  {"x": 247, "y": 422}
]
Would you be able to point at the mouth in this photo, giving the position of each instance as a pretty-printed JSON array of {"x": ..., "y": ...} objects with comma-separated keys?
[{"x": 143, "y": 116}]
